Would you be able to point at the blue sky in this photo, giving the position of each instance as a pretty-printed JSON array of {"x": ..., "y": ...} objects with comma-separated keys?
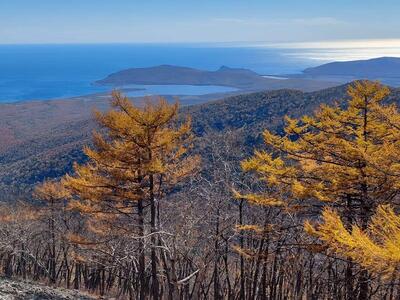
[{"x": 103, "y": 21}]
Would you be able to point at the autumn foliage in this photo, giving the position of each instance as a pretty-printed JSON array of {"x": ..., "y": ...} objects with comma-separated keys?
[
  {"x": 346, "y": 158},
  {"x": 310, "y": 215},
  {"x": 377, "y": 248}
]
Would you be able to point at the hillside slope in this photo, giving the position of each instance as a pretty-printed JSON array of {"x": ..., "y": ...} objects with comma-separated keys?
[{"x": 47, "y": 150}]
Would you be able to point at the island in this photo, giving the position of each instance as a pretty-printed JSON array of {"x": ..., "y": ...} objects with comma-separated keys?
[{"x": 242, "y": 79}]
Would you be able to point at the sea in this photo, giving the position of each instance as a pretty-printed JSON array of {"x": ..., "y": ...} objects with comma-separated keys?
[{"x": 45, "y": 71}]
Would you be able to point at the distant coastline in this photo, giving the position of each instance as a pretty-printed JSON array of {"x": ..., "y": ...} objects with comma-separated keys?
[
  {"x": 383, "y": 69},
  {"x": 50, "y": 72}
]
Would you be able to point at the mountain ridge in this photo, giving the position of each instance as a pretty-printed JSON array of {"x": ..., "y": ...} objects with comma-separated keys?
[{"x": 385, "y": 69}]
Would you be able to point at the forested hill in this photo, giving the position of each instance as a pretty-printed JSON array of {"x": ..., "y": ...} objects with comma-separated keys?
[
  {"x": 376, "y": 67},
  {"x": 242, "y": 79},
  {"x": 42, "y": 142},
  {"x": 257, "y": 111},
  {"x": 384, "y": 69}
]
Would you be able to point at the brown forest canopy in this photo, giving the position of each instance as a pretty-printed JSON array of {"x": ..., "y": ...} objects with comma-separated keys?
[
  {"x": 142, "y": 217},
  {"x": 44, "y": 138}
]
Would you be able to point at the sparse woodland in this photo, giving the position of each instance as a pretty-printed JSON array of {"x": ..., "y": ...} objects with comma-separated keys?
[{"x": 313, "y": 215}]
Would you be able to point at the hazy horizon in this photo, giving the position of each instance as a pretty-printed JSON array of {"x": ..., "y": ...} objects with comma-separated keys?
[{"x": 324, "y": 50}]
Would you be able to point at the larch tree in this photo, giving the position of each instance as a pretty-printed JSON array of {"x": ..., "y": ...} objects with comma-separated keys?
[
  {"x": 347, "y": 158},
  {"x": 377, "y": 248},
  {"x": 141, "y": 152},
  {"x": 53, "y": 196}
]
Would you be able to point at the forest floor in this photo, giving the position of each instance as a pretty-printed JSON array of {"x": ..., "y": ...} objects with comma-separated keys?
[{"x": 25, "y": 290}]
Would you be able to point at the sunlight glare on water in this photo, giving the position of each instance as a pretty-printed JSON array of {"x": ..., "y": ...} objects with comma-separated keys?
[{"x": 343, "y": 50}]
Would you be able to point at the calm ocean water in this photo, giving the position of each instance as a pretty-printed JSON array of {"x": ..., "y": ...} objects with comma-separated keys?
[
  {"x": 30, "y": 72},
  {"x": 57, "y": 71}
]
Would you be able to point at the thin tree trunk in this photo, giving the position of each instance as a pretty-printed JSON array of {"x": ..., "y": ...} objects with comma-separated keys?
[
  {"x": 142, "y": 259},
  {"x": 153, "y": 229}
]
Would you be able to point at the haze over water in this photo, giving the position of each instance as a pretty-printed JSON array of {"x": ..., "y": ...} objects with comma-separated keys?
[{"x": 39, "y": 72}]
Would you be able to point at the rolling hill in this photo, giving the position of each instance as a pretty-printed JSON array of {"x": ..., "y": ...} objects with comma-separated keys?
[{"x": 44, "y": 138}]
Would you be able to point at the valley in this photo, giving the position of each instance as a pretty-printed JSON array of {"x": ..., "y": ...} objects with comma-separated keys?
[{"x": 42, "y": 139}]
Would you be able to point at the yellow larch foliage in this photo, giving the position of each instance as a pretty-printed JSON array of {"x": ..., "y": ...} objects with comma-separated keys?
[
  {"x": 141, "y": 150},
  {"x": 377, "y": 248},
  {"x": 255, "y": 228},
  {"x": 50, "y": 191},
  {"x": 54, "y": 196},
  {"x": 336, "y": 156}
]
